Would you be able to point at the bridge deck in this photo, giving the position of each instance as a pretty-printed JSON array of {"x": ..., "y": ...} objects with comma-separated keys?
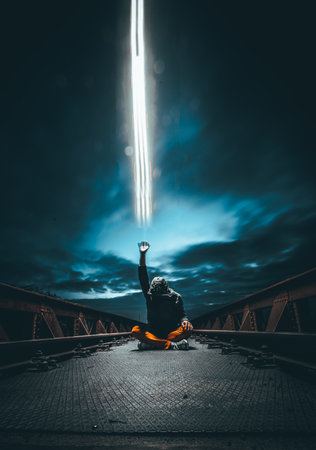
[{"x": 127, "y": 391}]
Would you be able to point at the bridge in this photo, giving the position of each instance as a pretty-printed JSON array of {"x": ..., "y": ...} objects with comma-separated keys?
[{"x": 71, "y": 375}]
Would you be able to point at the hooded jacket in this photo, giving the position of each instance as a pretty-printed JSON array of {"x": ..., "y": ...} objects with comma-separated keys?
[{"x": 165, "y": 312}]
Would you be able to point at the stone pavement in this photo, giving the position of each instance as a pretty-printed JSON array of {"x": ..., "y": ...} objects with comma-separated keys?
[{"x": 127, "y": 391}]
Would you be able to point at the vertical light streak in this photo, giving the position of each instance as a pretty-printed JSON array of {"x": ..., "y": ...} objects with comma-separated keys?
[{"x": 142, "y": 171}]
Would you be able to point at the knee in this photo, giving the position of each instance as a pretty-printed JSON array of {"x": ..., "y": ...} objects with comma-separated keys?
[{"x": 136, "y": 330}]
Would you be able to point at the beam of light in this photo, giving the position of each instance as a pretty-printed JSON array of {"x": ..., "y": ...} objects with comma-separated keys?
[{"x": 142, "y": 165}]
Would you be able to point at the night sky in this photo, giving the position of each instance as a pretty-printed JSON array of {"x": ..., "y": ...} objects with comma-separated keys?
[{"x": 231, "y": 116}]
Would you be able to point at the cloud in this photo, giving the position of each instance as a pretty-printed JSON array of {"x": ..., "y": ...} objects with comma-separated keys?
[
  {"x": 69, "y": 274},
  {"x": 222, "y": 272}
]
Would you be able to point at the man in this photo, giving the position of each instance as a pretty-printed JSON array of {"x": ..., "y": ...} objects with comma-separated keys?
[{"x": 168, "y": 326}]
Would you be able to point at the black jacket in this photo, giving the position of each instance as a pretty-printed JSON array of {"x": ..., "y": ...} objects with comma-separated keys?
[{"x": 164, "y": 312}]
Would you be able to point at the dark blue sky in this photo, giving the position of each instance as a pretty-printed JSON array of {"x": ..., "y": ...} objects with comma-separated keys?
[{"x": 231, "y": 105}]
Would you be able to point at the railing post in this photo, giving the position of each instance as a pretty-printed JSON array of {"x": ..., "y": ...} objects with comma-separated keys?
[
  {"x": 295, "y": 316},
  {"x": 229, "y": 323},
  {"x": 278, "y": 307},
  {"x": 217, "y": 324},
  {"x": 35, "y": 325},
  {"x": 249, "y": 322},
  {"x": 112, "y": 328},
  {"x": 80, "y": 322},
  {"x": 51, "y": 321},
  {"x": 99, "y": 328}
]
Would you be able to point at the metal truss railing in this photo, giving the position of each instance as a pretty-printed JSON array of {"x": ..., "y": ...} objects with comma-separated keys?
[
  {"x": 29, "y": 315},
  {"x": 288, "y": 306}
]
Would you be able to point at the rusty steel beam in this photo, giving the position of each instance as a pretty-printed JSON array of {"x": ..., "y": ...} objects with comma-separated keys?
[
  {"x": 229, "y": 323},
  {"x": 300, "y": 346},
  {"x": 283, "y": 303},
  {"x": 30, "y": 315},
  {"x": 21, "y": 365},
  {"x": 15, "y": 351},
  {"x": 99, "y": 328},
  {"x": 51, "y": 321}
]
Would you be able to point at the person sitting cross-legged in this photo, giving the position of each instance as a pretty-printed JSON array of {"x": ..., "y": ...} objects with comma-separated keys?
[{"x": 168, "y": 326}]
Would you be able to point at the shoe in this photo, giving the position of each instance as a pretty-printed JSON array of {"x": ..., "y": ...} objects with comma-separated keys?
[
  {"x": 173, "y": 346},
  {"x": 181, "y": 345},
  {"x": 145, "y": 346}
]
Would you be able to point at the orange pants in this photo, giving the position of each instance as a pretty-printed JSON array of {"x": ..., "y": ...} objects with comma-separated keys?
[{"x": 145, "y": 336}]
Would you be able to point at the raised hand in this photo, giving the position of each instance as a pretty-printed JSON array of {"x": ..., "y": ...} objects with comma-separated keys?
[
  {"x": 187, "y": 326},
  {"x": 143, "y": 246}
]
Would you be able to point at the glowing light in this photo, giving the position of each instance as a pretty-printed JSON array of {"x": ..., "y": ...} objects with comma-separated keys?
[{"x": 142, "y": 166}]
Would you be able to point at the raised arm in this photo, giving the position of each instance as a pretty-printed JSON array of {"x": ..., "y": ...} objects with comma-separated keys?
[
  {"x": 143, "y": 247},
  {"x": 142, "y": 269}
]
